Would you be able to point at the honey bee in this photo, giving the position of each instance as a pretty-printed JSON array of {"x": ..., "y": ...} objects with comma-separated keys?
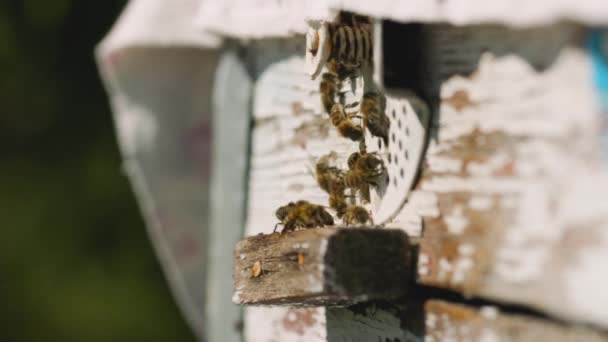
[
  {"x": 372, "y": 110},
  {"x": 357, "y": 215},
  {"x": 331, "y": 180},
  {"x": 363, "y": 170},
  {"x": 329, "y": 88},
  {"x": 346, "y": 43},
  {"x": 342, "y": 121},
  {"x": 328, "y": 176},
  {"x": 345, "y": 47},
  {"x": 302, "y": 214}
]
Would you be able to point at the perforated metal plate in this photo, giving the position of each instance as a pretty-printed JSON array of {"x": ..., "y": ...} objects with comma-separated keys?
[{"x": 409, "y": 118}]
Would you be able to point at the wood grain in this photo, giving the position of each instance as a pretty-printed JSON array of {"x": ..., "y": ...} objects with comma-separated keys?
[
  {"x": 456, "y": 322},
  {"x": 513, "y": 178},
  {"x": 510, "y": 193},
  {"x": 323, "y": 266}
]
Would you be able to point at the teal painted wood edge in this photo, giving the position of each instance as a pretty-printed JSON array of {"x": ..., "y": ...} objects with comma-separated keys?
[{"x": 598, "y": 47}]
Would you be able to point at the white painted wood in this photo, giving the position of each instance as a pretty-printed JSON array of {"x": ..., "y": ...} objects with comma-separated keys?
[
  {"x": 445, "y": 321},
  {"x": 265, "y": 324},
  {"x": 290, "y": 132},
  {"x": 271, "y": 18},
  {"x": 231, "y": 108},
  {"x": 164, "y": 142},
  {"x": 519, "y": 214}
]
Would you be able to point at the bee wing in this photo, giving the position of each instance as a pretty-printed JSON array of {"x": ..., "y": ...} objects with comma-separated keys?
[{"x": 311, "y": 166}]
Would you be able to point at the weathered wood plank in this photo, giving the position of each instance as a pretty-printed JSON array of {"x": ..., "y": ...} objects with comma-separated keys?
[
  {"x": 510, "y": 174},
  {"x": 456, "y": 322},
  {"x": 322, "y": 266},
  {"x": 360, "y": 323},
  {"x": 513, "y": 176},
  {"x": 242, "y": 18}
]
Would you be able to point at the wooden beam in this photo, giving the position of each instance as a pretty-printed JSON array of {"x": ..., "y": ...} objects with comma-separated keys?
[
  {"x": 322, "y": 266},
  {"x": 456, "y": 322}
]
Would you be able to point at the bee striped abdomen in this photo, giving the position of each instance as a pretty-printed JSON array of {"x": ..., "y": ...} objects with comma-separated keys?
[
  {"x": 344, "y": 125},
  {"x": 374, "y": 116},
  {"x": 328, "y": 89},
  {"x": 351, "y": 45}
]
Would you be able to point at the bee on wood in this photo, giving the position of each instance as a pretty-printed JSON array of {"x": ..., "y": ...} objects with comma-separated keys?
[
  {"x": 302, "y": 214},
  {"x": 331, "y": 180},
  {"x": 357, "y": 215},
  {"x": 363, "y": 170},
  {"x": 374, "y": 117},
  {"x": 329, "y": 87}
]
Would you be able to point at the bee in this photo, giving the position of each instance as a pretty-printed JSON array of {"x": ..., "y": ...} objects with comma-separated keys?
[
  {"x": 328, "y": 88},
  {"x": 343, "y": 122},
  {"x": 328, "y": 176},
  {"x": 363, "y": 170},
  {"x": 345, "y": 47},
  {"x": 302, "y": 214},
  {"x": 357, "y": 215},
  {"x": 331, "y": 180},
  {"x": 374, "y": 117},
  {"x": 346, "y": 43}
]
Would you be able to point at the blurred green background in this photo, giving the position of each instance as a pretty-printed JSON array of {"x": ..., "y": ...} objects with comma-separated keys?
[{"x": 75, "y": 261}]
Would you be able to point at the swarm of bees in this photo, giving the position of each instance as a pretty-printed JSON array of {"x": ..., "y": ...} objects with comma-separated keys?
[{"x": 344, "y": 47}]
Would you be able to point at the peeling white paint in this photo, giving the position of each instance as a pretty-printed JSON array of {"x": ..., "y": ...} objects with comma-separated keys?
[
  {"x": 456, "y": 221},
  {"x": 431, "y": 320},
  {"x": 423, "y": 264},
  {"x": 263, "y": 324},
  {"x": 444, "y": 164},
  {"x": 488, "y": 167},
  {"x": 489, "y": 312},
  {"x": 544, "y": 179},
  {"x": 480, "y": 202},
  {"x": 466, "y": 249},
  {"x": 445, "y": 269},
  {"x": 462, "y": 266},
  {"x": 488, "y": 335}
]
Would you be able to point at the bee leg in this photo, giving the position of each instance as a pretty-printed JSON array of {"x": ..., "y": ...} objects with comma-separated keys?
[
  {"x": 288, "y": 227},
  {"x": 362, "y": 146},
  {"x": 352, "y": 105},
  {"x": 277, "y": 225},
  {"x": 365, "y": 195}
]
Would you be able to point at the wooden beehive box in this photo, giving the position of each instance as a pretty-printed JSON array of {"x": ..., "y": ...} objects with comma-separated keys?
[
  {"x": 511, "y": 155},
  {"x": 492, "y": 222}
]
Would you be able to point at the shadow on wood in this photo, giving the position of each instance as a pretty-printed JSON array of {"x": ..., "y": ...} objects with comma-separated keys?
[{"x": 322, "y": 266}]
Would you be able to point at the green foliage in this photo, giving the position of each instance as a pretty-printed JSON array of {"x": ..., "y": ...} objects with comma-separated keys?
[{"x": 75, "y": 260}]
